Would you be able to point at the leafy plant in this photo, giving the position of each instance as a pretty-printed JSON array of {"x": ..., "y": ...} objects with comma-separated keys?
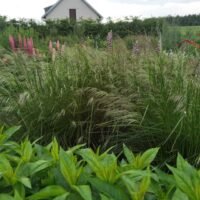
[{"x": 29, "y": 171}]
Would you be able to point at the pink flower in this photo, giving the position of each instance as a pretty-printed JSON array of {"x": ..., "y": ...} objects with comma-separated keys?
[
  {"x": 58, "y": 45},
  {"x": 12, "y": 43},
  {"x": 30, "y": 47}
]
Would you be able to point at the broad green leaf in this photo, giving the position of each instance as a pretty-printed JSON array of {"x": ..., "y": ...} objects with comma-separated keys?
[
  {"x": 183, "y": 182},
  {"x": 11, "y": 131},
  {"x": 131, "y": 186},
  {"x": 17, "y": 196},
  {"x": 25, "y": 181},
  {"x": 148, "y": 156},
  {"x": 178, "y": 195},
  {"x": 84, "y": 191},
  {"x": 6, "y": 197},
  {"x": 48, "y": 192},
  {"x": 7, "y": 171},
  {"x": 138, "y": 183},
  {"x": 103, "y": 197},
  {"x": 185, "y": 166},
  {"x": 128, "y": 154},
  {"x": 27, "y": 151},
  {"x": 74, "y": 196},
  {"x": 62, "y": 197},
  {"x": 69, "y": 167},
  {"x": 105, "y": 167},
  {"x": 108, "y": 189},
  {"x": 75, "y": 148},
  {"x": 167, "y": 179},
  {"x": 55, "y": 150},
  {"x": 91, "y": 158},
  {"x": 144, "y": 186},
  {"x": 38, "y": 166},
  {"x": 19, "y": 191}
]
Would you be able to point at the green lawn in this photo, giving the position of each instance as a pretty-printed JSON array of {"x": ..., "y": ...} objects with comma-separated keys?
[{"x": 190, "y": 29}]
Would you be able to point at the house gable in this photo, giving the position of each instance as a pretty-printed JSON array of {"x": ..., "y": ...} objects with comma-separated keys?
[{"x": 60, "y": 10}]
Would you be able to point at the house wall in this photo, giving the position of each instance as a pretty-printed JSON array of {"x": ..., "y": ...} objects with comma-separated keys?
[{"x": 62, "y": 10}]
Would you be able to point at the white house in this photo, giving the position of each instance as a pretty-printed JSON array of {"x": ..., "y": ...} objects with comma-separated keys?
[{"x": 71, "y": 9}]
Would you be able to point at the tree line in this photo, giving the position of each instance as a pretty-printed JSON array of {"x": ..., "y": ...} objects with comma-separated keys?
[{"x": 129, "y": 26}]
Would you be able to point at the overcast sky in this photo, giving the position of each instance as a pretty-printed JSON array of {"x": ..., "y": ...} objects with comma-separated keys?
[{"x": 113, "y": 8}]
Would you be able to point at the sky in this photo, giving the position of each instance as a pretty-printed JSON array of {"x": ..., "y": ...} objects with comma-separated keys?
[{"x": 116, "y": 9}]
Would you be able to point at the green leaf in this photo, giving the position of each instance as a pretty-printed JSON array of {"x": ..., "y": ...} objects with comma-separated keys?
[
  {"x": 103, "y": 197},
  {"x": 25, "y": 181},
  {"x": 17, "y": 196},
  {"x": 84, "y": 191},
  {"x": 91, "y": 158},
  {"x": 167, "y": 179},
  {"x": 27, "y": 151},
  {"x": 128, "y": 154},
  {"x": 185, "y": 166},
  {"x": 62, "y": 197},
  {"x": 6, "y": 197},
  {"x": 144, "y": 185},
  {"x": 105, "y": 166},
  {"x": 178, "y": 195},
  {"x": 148, "y": 156},
  {"x": 11, "y": 131},
  {"x": 48, "y": 192},
  {"x": 55, "y": 150},
  {"x": 183, "y": 182},
  {"x": 69, "y": 168},
  {"x": 19, "y": 192},
  {"x": 38, "y": 166},
  {"x": 75, "y": 148},
  {"x": 108, "y": 189},
  {"x": 7, "y": 171}
]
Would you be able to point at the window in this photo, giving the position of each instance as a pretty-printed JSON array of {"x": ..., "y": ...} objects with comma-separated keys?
[{"x": 72, "y": 14}]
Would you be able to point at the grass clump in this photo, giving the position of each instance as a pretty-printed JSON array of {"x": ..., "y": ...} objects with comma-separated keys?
[{"x": 106, "y": 98}]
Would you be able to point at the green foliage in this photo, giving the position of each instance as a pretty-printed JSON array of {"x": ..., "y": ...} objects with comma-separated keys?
[
  {"x": 82, "y": 29},
  {"x": 79, "y": 173},
  {"x": 171, "y": 36},
  {"x": 69, "y": 98},
  {"x": 105, "y": 98}
]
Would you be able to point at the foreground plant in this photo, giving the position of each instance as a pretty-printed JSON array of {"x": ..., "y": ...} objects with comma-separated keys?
[{"x": 34, "y": 172}]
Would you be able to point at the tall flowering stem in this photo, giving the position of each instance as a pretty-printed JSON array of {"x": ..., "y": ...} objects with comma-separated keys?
[
  {"x": 30, "y": 47},
  {"x": 58, "y": 45},
  {"x": 25, "y": 45},
  {"x": 136, "y": 48},
  {"x": 110, "y": 40},
  {"x": 50, "y": 46},
  {"x": 56, "y": 48},
  {"x": 12, "y": 43}
]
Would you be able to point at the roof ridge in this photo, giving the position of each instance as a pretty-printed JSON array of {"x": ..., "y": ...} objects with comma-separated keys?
[{"x": 59, "y": 1}]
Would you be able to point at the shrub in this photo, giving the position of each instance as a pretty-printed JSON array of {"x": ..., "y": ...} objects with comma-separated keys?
[{"x": 29, "y": 171}]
